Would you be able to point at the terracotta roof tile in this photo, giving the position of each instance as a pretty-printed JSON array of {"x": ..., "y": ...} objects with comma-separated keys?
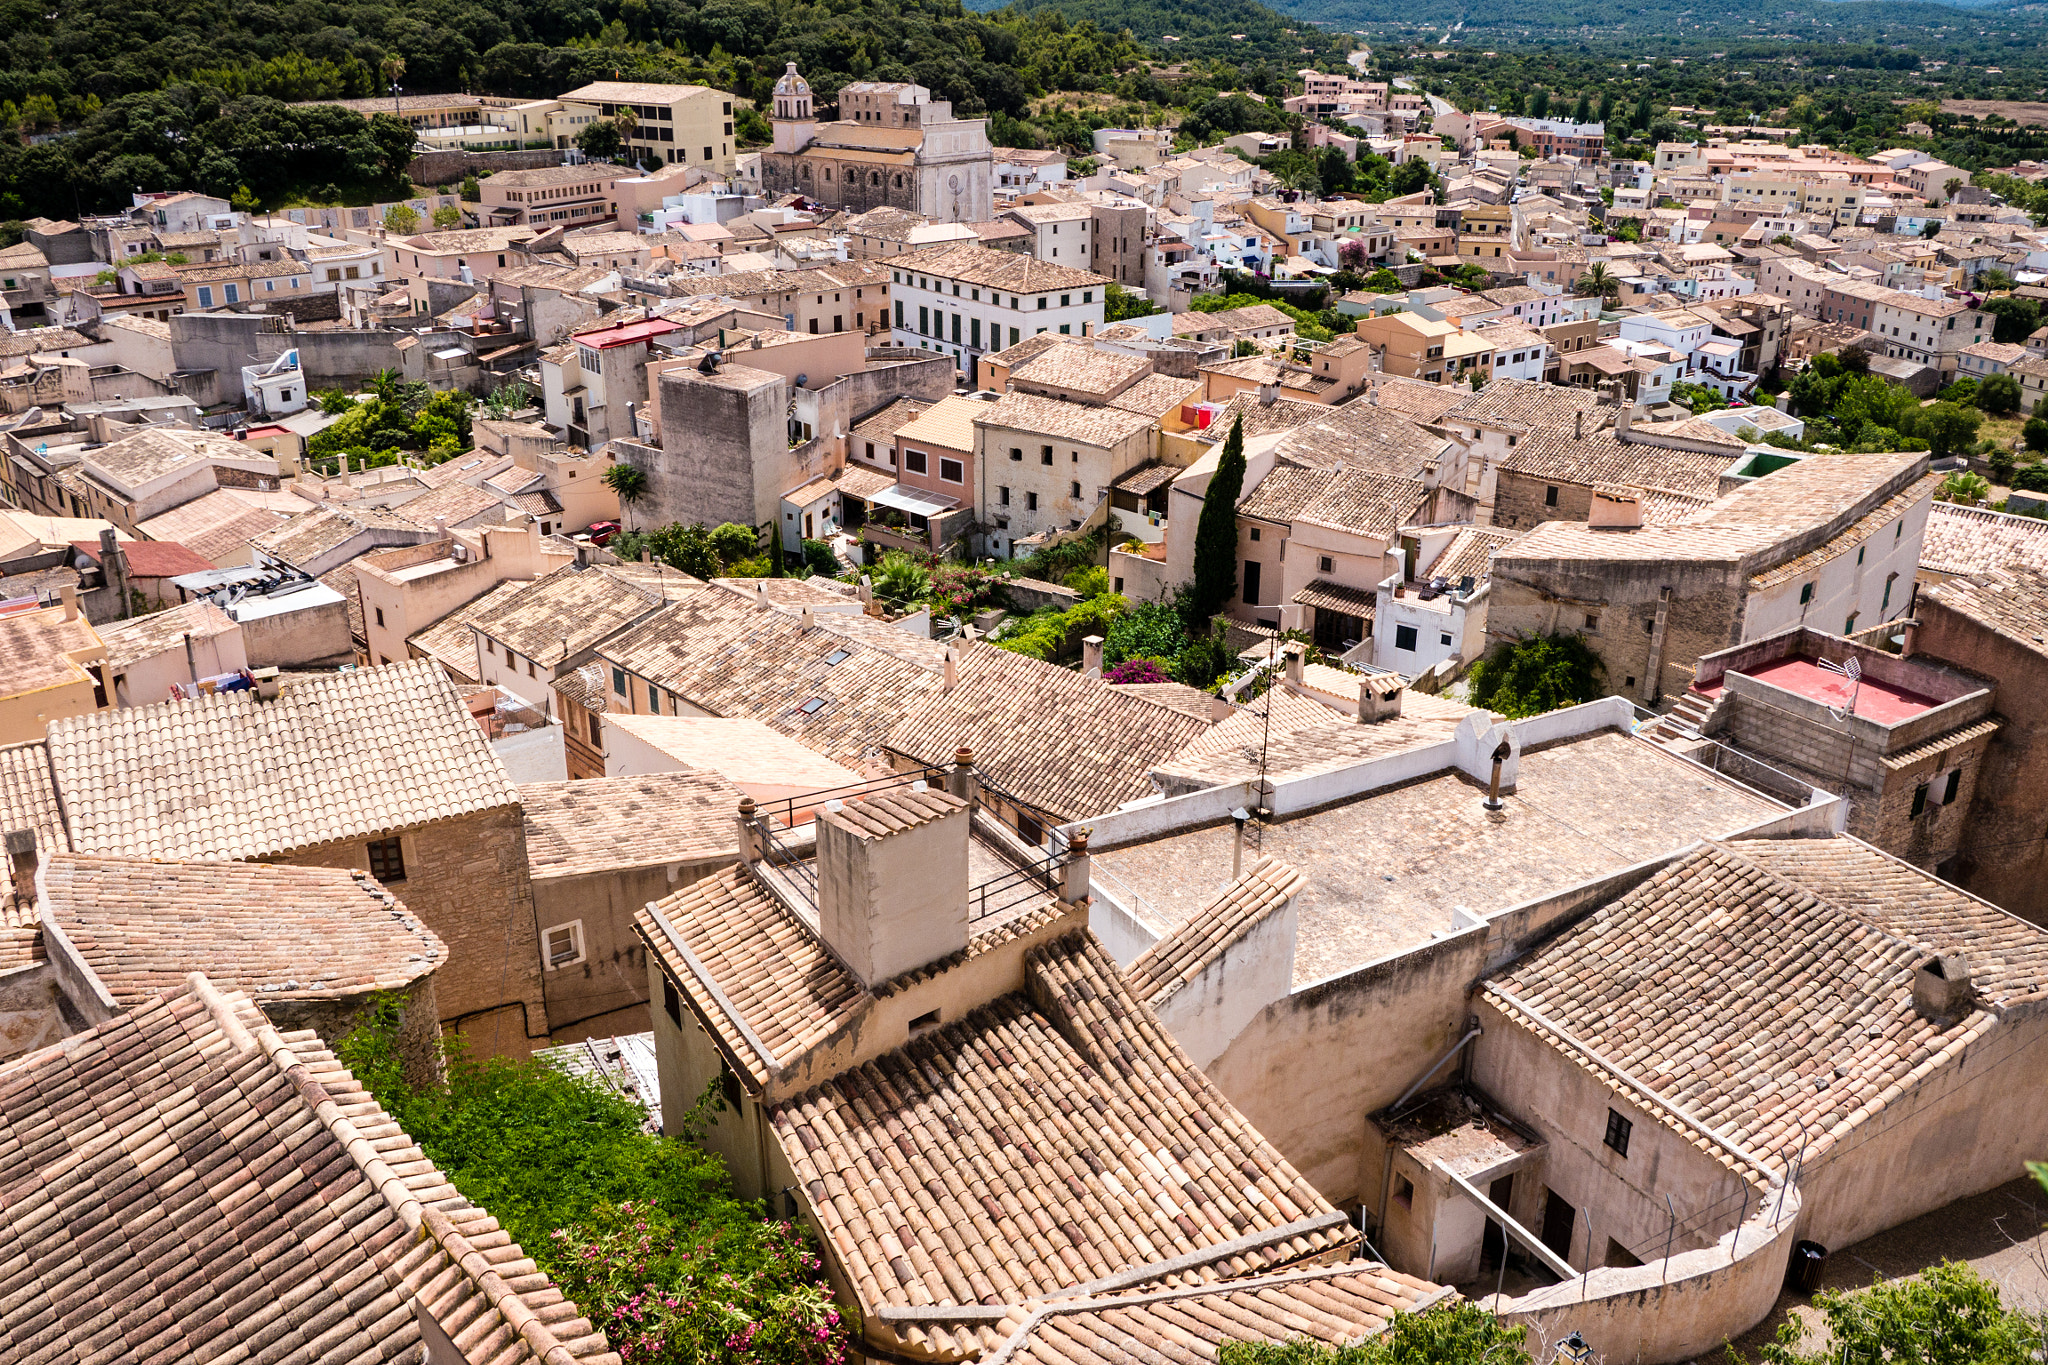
[
  {"x": 1739, "y": 976},
  {"x": 1238, "y": 908},
  {"x": 1968, "y": 540},
  {"x": 28, "y": 800},
  {"x": 218, "y": 527},
  {"x": 275, "y": 932},
  {"x": 605, "y": 823},
  {"x": 1339, "y": 1305},
  {"x": 571, "y": 609},
  {"x": 1052, "y": 1137},
  {"x": 144, "y": 637},
  {"x": 2013, "y": 601},
  {"x": 343, "y": 756},
  {"x": 450, "y": 642},
  {"x": 185, "y": 1153},
  {"x": 1066, "y": 745}
]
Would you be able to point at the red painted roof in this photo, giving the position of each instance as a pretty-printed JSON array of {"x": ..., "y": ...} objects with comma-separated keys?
[
  {"x": 150, "y": 558},
  {"x": 625, "y": 333}
]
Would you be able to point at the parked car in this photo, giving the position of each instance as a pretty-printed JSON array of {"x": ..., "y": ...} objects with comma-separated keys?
[{"x": 601, "y": 532}]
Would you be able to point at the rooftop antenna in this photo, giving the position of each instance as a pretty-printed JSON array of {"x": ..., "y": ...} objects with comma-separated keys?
[{"x": 1853, "y": 671}]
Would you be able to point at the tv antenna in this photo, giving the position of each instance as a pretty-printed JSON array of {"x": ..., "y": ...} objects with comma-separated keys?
[{"x": 1853, "y": 671}]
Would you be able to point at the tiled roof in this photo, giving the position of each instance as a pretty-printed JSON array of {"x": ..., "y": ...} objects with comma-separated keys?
[
  {"x": 1967, "y": 540},
  {"x": 2012, "y": 600},
  {"x": 1065, "y": 744},
  {"x": 1559, "y": 455},
  {"x": 1870, "y": 524},
  {"x": 746, "y": 752},
  {"x": 1048, "y": 1139},
  {"x": 1082, "y": 368},
  {"x": 450, "y": 642},
  {"x": 216, "y": 526},
  {"x": 1327, "y": 595},
  {"x": 1040, "y": 416},
  {"x": 1470, "y": 553},
  {"x": 457, "y": 503},
  {"x": 1010, "y": 271},
  {"x": 1156, "y": 395},
  {"x": 28, "y": 800},
  {"x": 227, "y": 776},
  {"x": 1359, "y": 436},
  {"x": 566, "y": 611},
  {"x": 151, "y": 452},
  {"x": 275, "y": 932},
  {"x": 1034, "y": 345},
  {"x": 1192, "y": 701},
  {"x": 144, "y": 637},
  {"x": 787, "y": 988},
  {"x": 1413, "y": 399},
  {"x": 1338, "y": 1305},
  {"x": 1764, "y": 987},
  {"x": 1365, "y": 503},
  {"x": 605, "y": 823},
  {"x": 882, "y": 424},
  {"x": 183, "y": 1182},
  {"x": 1238, "y": 908},
  {"x": 1523, "y": 404},
  {"x": 309, "y": 535},
  {"x": 149, "y": 558},
  {"x": 1305, "y": 736},
  {"x": 948, "y": 423},
  {"x": 731, "y": 658}
]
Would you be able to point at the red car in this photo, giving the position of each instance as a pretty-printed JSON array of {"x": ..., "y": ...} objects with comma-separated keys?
[{"x": 601, "y": 532}]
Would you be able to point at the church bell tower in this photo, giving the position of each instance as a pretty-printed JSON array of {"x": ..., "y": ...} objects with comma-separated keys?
[{"x": 794, "y": 123}]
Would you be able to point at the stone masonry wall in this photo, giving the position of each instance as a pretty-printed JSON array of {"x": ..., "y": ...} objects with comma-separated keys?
[{"x": 467, "y": 880}]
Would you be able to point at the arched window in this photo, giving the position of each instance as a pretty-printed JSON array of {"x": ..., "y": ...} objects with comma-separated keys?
[
  {"x": 804, "y": 171},
  {"x": 875, "y": 178},
  {"x": 899, "y": 182},
  {"x": 827, "y": 174}
]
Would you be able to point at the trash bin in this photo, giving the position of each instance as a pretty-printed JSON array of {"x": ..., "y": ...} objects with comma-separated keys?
[{"x": 1803, "y": 1274}]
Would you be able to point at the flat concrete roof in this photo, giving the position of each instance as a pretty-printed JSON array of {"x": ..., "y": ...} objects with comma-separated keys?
[{"x": 1387, "y": 868}]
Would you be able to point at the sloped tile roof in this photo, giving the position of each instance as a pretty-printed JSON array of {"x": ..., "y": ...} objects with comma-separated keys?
[
  {"x": 1339, "y": 1305},
  {"x": 183, "y": 1182},
  {"x": 144, "y": 637},
  {"x": 28, "y": 800},
  {"x": 735, "y": 660},
  {"x": 787, "y": 989},
  {"x": 218, "y": 527},
  {"x": 1742, "y": 974},
  {"x": 1067, "y": 745},
  {"x": 309, "y": 535},
  {"x": 1052, "y": 1137},
  {"x": 566, "y": 611},
  {"x": 2012, "y": 601},
  {"x": 275, "y": 932},
  {"x": 1238, "y": 908},
  {"x": 600, "y": 824},
  {"x": 450, "y": 642},
  {"x": 1967, "y": 540},
  {"x": 336, "y": 757},
  {"x": 1305, "y": 737}
]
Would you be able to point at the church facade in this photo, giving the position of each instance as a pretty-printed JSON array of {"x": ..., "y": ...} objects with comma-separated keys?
[{"x": 895, "y": 147}]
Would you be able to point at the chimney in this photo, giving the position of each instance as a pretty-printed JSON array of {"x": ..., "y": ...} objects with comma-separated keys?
[
  {"x": 961, "y": 781},
  {"x": 267, "y": 684},
  {"x": 892, "y": 880},
  {"x": 1623, "y": 420},
  {"x": 952, "y": 668},
  {"x": 1616, "y": 509},
  {"x": 1074, "y": 873},
  {"x": 1379, "y": 697},
  {"x": 761, "y": 593},
  {"x": 440, "y": 528},
  {"x": 1500, "y": 756},
  {"x": 810, "y": 619},
  {"x": 1091, "y": 656},
  {"x": 1941, "y": 988},
  {"x": 22, "y": 863},
  {"x": 750, "y": 847},
  {"x": 1579, "y": 424},
  {"x": 114, "y": 571},
  {"x": 68, "y": 595},
  {"x": 1269, "y": 394},
  {"x": 1295, "y": 657}
]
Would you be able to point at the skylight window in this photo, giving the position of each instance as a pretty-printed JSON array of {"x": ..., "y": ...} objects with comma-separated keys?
[
  {"x": 813, "y": 706},
  {"x": 838, "y": 656}
]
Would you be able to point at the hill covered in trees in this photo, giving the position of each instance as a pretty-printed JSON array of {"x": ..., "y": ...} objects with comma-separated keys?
[{"x": 98, "y": 98}]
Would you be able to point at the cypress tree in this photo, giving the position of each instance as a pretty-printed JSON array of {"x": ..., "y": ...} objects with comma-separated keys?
[
  {"x": 1216, "y": 532},
  {"x": 775, "y": 569}
]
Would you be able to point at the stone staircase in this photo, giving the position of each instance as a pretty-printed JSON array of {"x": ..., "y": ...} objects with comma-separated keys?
[{"x": 1684, "y": 722}]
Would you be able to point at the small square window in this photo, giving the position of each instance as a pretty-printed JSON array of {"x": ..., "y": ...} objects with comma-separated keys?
[
  {"x": 1550, "y": 496},
  {"x": 1618, "y": 1129},
  {"x": 1324, "y": 564},
  {"x": 1955, "y": 784},
  {"x": 1045, "y": 454},
  {"x": 1404, "y": 1191},
  {"x": 1444, "y": 638},
  {"x": 1254, "y": 531},
  {"x": 1805, "y": 593},
  {"x": 1016, "y": 454},
  {"x": 387, "y": 860},
  {"x": 1592, "y": 621},
  {"x": 1404, "y": 638},
  {"x": 1919, "y": 798},
  {"x": 380, "y": 616},
  {"x": 563, "y": 945}
]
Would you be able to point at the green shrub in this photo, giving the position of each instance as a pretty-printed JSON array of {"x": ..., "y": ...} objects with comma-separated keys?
[
  {"x": 1149, "y": 630},
  {"x": 1537, "y": 674}
]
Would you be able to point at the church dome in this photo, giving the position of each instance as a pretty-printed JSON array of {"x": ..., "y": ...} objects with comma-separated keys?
[{"x": 791, "y": 83}]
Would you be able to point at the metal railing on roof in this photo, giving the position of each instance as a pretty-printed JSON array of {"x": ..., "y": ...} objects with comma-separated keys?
[
  {"x": 1032, "y": 882},
  {"x": 785, "y": 811}
]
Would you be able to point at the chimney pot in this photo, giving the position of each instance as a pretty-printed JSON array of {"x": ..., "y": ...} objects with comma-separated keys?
[
  {"x": 1296, "y": 659},
  {"x": 892, "y": 880},
  {"x": 22, "y": 862},
  {"x": 440, "y": 528},
  {"x": 68, "y": 595},
  {"x": 1091, "y": 656},
  {"x": 952, "y": 668},
  {"x": 1075, "y": 872},
  {"x": 1942, "y": 992},
  {"x": 810, "y": 619}
]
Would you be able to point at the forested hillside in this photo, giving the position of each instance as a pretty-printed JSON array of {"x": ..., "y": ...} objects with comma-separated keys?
[{"x": 98, "y": 98}]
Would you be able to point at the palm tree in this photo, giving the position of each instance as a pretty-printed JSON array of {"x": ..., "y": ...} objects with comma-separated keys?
[
  {"x": 1597, "y": 283},
  {"x": 385, "y": 384},
  {"x": 1951, "y": 185},
  {"x": 628, "y": 481}
]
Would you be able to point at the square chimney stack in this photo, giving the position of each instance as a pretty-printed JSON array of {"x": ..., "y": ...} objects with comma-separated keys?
[{"x": 892, "y": 880}]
